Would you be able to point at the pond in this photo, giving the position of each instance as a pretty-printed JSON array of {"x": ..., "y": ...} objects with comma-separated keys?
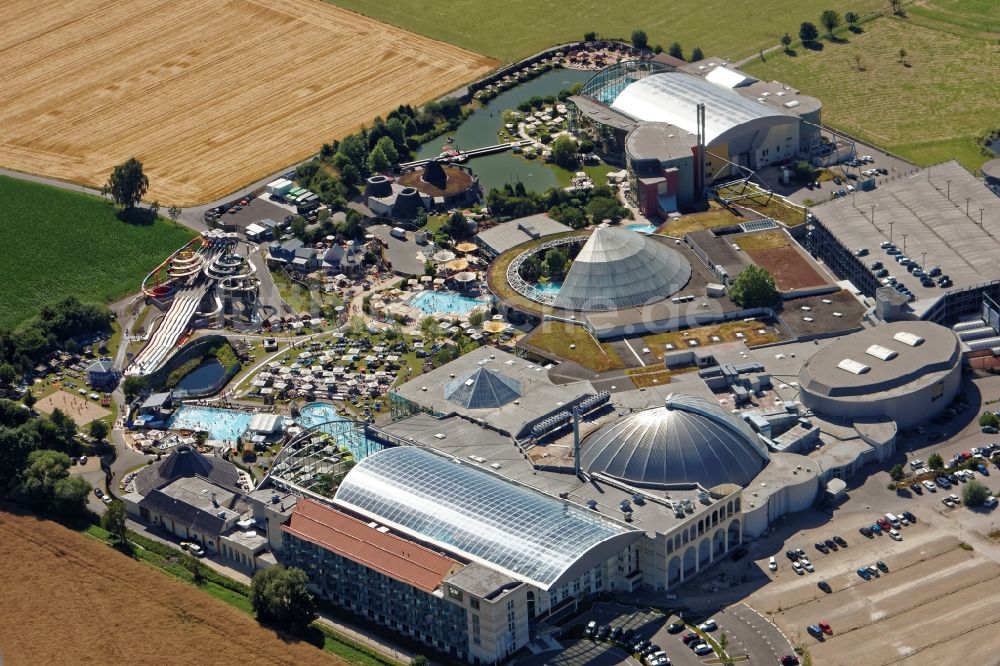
[
  {"x": 203, "y": 378},
  {"x": 641, "y": 228},
  {"x": 480, "y": 129}
]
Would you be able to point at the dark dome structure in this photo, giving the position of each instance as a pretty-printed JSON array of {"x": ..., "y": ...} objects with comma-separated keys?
[
  {"x": 378, "y": 186},
  {"x": 688, "y": 440},
  {"x": 618, "y": 268},
  {"x": 407, "y": 204}
]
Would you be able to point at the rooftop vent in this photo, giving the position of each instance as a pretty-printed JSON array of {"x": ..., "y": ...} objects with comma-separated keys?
[
  {"x": 882, "y": 353},
  {"x": 908, "y": 338},
  {"x": 853, "y": 367}
]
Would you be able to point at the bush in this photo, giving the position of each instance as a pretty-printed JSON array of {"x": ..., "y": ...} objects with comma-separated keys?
[
  {"x": 753, "y": 288},
  {"x": 935, "y": 461},
  {"x": 989, "y": 419},
  {"x": 974, "y": 493}
]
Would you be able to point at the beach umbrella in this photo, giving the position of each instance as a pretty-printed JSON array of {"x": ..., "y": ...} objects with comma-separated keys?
[{"x": 444, "y": 255}]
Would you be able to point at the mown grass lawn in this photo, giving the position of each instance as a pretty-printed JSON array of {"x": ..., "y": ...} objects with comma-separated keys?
[
  {"x": 928, "y": 106},
  {"x": 60, "y": 243},
  {"x": 574, "y": 343},
  {"x": 518, "y": 28}
]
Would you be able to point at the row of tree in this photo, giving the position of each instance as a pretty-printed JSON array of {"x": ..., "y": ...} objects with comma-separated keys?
[
  {"x": 640, "y": 40},
  {"x": 58, "y": 326},
  {"x": 575, "y": 209},
  {"x": 830, "y": 20}
]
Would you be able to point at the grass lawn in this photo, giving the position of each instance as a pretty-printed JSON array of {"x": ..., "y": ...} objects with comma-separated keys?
[
  {"x": 597, "y": 172},
  {"x": 556, "y": 337},
  {"x": 726, "y": 332},
  {"x": 63, "y": 243},
  {"x": 764, "y": 240},
  {"x": 714, "y": 217},
  {"x": 929, "y": 108},
  {"x": 518, "y": 28},
  {"x": 497, "y": 273}
]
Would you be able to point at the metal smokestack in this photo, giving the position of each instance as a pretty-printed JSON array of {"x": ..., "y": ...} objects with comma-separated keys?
[{"x": 576, "y": 441}]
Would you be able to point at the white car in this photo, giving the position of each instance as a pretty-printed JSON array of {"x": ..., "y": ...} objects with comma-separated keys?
[
  {"x": 929, "y": 485},
  {"x": 797, "y": 567},
  {"x": 916, "y": 463},
  {"x": 850, "y": 188},
  {"x": 894, "y": 534},
  {"x": 196, "y": 550},
  {"x": 990, "y": 502},
  {"x": 947, "y": 502},
  {"x": 807, "y": 564},
  {"x": 772, "y": 564},
  {"x": 954, "y": 499},
  {"x": 708, "y": 625}
]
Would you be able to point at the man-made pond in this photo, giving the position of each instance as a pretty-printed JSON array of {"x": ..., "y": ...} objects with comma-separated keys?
[
  {"x": 480, "y": 129},
  {"x": 203, "y": 378},
  {"x": 641, "y": 228},
  {"x": 224, "y": 425}
]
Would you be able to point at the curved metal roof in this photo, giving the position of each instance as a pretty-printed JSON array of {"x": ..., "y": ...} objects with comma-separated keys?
[
  {"x": 618, "y": 268},
  {"x": 673, "y": 97},
  {"x": 530, "y": 536},
  {"x": 689, "y": 440}
]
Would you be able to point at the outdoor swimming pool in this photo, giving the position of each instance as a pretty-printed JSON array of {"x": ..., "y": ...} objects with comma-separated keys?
[
  {"x": 642, "y": 228},
  {"x": 444, "y": 301},
  {"x": 221, "y": 424},
  {"x": 548, "y": 287},
  {"x": 316, "y": 413}
]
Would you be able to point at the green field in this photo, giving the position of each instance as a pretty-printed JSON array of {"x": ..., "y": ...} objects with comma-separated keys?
[
  {"x": 518, "y": 28},
  {"x": 61, "y": 243},
  {"x": 929, "y": 108}
]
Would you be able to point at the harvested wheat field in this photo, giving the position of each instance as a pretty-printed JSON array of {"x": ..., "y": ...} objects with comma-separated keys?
[
  {"x": 69, "y": 599},
  {"x": 210, "y": 96}
]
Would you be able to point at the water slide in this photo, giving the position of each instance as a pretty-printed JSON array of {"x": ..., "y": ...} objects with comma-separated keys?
[{"x": 174, "y": 323}]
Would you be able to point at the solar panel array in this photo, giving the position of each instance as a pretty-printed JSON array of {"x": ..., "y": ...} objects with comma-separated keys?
[{"x": 529, "y": 535}]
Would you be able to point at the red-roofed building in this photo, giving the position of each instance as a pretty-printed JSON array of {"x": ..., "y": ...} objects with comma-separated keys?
[{"x": 376, "y": 574}]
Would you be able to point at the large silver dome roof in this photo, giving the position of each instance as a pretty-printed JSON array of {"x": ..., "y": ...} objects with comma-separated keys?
[
  {"x": 618, "y": 268},
  {"x": 689, "y": 440}
]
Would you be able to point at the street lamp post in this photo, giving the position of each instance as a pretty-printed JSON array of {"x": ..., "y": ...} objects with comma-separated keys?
[
  {"x": 873, "y": 213},
  {"x": 923, "y": 260},
  {"x": 949, "y": 188},
  {"x": 904, "y": 242},
  {"x": 891, "y": 222}
]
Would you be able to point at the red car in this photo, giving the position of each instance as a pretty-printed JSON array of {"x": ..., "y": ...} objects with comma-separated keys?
[
  {"x": 789, "y": 660},
  {"x": 689, "y": 636},
  {"x": 826, "y": 628},
  {"x": 884, "y": 524}
]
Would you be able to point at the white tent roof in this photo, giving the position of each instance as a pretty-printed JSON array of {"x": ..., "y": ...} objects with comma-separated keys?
[
  {"x": 266, "y": 423},
  {"x": 728, "y": 78},
  {"x": 673, "y": 97}
]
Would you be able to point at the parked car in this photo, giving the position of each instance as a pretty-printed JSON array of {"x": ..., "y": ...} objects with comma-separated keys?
[
  {"x": 863, "y": 572},
  {"x": 814, "y": 630},
  {"x": 883, "y": 567},
  {"x": 884, "y": 524},
  {"x": 690, "y": 636},
  {"x": 639, "y": 646},
  {"x": 826, "y": 628},
  {"x": 873, "y": 570},
  {"x": 703, "y": 649},
  {"x": 107, "y": 499},
  {"x": 876, "y": 528},
  {"x": 942, "y": 483},
  {"x": 915, "y": 487},
  {"x": 675, "y": 627},
  {"x": 909, "y": 516},
  {"x": 894, "y": 534},
  {"x": 772, "y": 564},
  {"x": 929, "y": 485},
  {"x": 708, "y": 625},
  {"x": 865, "y": 532},
  {"x": 590, "y": 629},
  {"x": 789, "y": 660},
  {"x": 797, "y": 568},
  {"x": 947, "y": 502},
  {"x": 825, "y": 586},
  {"x": 806, "y": 564},
  {"x": 831, "y": 544},
  {"x": 821, "y": 547},
  {"x": 196, "y": 550},
  {"x": 98, "y": 493},
  {"x": 603, "y": 631},
  {"x": 990, "y": 502},
  {"x": 792, "y": 555},
  {"x": 616, "y": 633},
  {"x": 839, "y": 541}
]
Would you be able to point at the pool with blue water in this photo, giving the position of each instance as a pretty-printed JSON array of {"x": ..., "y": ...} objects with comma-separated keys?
[
  {"x": 444, "y": 301},
  {"x": 548, "y": 287},
  {"x": 641, "y": 228},
  {"x": 221, "y": 424},
  {"x": 318, "y": 413}
]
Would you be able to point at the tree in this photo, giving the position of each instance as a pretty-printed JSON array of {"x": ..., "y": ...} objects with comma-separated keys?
[
  {"x": 786, "y": 41},
  {"x": 555, "y": 262},
  {"x": 377, "y": 160},
  {"x": 896, "y": 5},
  {"x": 174, "y": 212},
  {"x": 808, "y": 32},
  {"x": 8, "y": 375},
  {"x": 589, "y": 36},
  {"x": 476, "y": 317},
  {"x": 155, "y": 207},
  {"x": 753, "y": 288},
  {"x": 897, "y": 473},
  {"x": 388, "y": 148},
  {"x": 98, "y": 430},
  {"x": 696, "y": 54},
  {"x": 676, "y": 51},
  {"x": 605, "y": 208},
  {"x": 431, "y": 329},
  {"x": 133, "y": 386},
  {"x": 128, "y": 183},
  {"x": 196, "y": 568},
  {"x": 29, "y": 399},
  {"x": 935, "y": 461},
  {"x": 564, "y": 152},
  {"x": 114, "y": 520},
  {"x": 456, "y": 226},
  {"x": 989, "y": 419},
  {"x": 279, "y": 596},
  {"x": 830, "y": 20},
  {"x": 851, "y": 19},
  {"x": 974, "y": 493},
  {"x": 902, "y": 55},
  {"x": 639, "y": 39}
]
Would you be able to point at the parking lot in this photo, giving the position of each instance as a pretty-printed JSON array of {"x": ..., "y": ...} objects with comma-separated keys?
[
  {"x": 747, "y": 633},
  {"x": 935, "y": 596}
]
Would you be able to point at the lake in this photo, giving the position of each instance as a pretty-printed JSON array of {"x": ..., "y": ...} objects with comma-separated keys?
[
  {"x": 480, "y": 129},
  {"x": 203, "y": 377}
]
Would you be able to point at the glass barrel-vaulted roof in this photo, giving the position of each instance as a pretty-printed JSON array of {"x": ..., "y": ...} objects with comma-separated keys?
[{"x": 528, "y": 535}]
